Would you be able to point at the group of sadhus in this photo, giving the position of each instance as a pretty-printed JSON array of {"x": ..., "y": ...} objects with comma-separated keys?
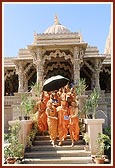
[{"x": 58, "y": 113}]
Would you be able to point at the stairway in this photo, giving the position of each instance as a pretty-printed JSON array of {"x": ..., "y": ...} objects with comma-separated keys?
[{"x": 42, "y": 152}]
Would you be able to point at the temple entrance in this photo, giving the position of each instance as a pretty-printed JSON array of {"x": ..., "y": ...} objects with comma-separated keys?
[
  {"x": 58, "y": 66},
  {"x": 105, "y": 80},
  {"x": 86, "y": 74},
  {"x": 11, "y": 83}
]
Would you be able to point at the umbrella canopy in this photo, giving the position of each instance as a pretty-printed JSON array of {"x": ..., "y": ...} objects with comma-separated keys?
[{"x": 55, "y": 83}]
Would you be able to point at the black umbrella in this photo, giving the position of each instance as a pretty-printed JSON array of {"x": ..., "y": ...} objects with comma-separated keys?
[{"x": 55, "y": 83}]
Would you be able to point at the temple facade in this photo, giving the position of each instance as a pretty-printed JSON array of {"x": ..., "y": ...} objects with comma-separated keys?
[{"x": 58, "y": 51}]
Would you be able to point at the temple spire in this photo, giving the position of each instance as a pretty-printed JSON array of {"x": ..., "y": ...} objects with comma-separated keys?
[{"x": 56, "y": 20}]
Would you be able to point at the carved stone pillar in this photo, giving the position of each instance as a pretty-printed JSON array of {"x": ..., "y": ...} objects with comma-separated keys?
[
  {"x": 76, "y": 71},
  {"x": 20, "y": 72},
  {"x": 98, "y": 65},
  {"x": 21, "y": 79},
  {"x": 95, "y": 76},
  {"x": 37, "y": 60},
  {"x": 97, "y": 84},
  {"x": 93, "y": 81},
  {"x": 78, "y": 59},
  {"x": 39, "y": 68},
  {"x": 25, "y": 83}
]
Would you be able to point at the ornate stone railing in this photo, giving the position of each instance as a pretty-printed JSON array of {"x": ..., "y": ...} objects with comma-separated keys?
[
  {"x": 108, "y": 97},
  {"x": 14, "y": 100},
  {"x": 104, "y": 97},
  {"x": 11, "y": 100}
]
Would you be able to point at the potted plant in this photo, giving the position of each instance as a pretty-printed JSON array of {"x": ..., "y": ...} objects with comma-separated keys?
[
  {"x": 32, "y": 134},
  {"x": 91, "y": 104},
  {"x": 35, "y": 89},
  {"x": 9, "y": 155},
  {"x": 107, "y": 151},
  {"x": 90, "y": 110},
  {"x": 101, "y": 146},
  {"x": 80, "y": 92},
  {"x": 14, "y": 150},
  {"x": 87, "y": 108},
  {"x": 86, "y": 138},
  {"x": 28, "y": 144},
  {"x": 94, "y": 97},
  {"x": 82, "y": 128},
  {"x": 81, "y": 87},
  {"x": 20, "y": 112},
  {"x": 28, "y": 105}
]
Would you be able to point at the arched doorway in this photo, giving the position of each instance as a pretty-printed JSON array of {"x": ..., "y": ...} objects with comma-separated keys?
[
  {"x": 58, "y": 66},
  {"x": 58, "y": 62},
  {"x": 10, "y": 83},
  {"x": 105, "y": 79},
  {"x": 86, "y": 74}
]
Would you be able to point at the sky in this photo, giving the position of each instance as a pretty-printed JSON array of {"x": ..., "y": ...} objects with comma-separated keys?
[{"x": 21, "y": 20}]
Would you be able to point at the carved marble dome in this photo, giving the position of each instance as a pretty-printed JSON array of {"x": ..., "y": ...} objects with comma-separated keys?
[{"x": 57, "y": 28}]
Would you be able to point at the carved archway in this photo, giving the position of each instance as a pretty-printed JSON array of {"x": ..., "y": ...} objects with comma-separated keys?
[
  {"x": 58, "y": 63},
  {"x": 59, "y": 67},
  {"x": 57, "y": 54}
]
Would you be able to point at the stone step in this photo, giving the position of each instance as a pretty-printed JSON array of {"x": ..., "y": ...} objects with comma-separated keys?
[
  {"x": 61, "y": 161},
  {"x": 42, "y": 152},
  {"x": 48, "y": 142},
  {"x": 47, "y": 137},
  {"x": 39, "y": 137},
  {"x": 57, "y": 154},
  {"x": 51, "y": 148}
]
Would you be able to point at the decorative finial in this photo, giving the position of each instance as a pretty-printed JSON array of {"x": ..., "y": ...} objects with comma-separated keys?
[{"x": 56, "y": 21}]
